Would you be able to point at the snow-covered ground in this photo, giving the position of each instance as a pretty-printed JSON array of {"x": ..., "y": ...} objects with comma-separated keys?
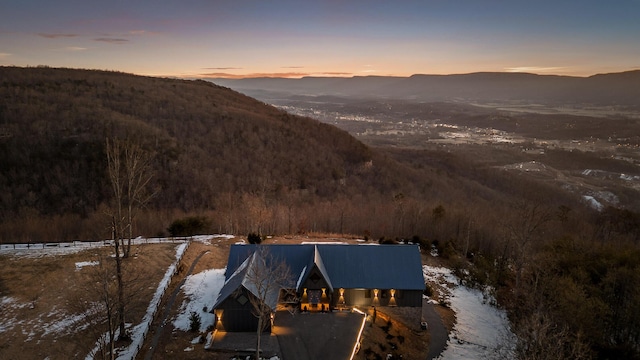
[
  {"x": 65, "y": 248},
  {"x": 481, "y": 331},
  {"x": 199, "y": 287},
  {"x": 201, "y": 291}
]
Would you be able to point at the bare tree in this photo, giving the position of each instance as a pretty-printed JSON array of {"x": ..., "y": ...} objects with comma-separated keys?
[
  {"x": 129, "y": 170},
  {"x": 138, "y": 174},
  {"x": 98, "y": 306},
  {"x": 540, "y": 338},
  {"x": 528, "y": 224},
  {"x": 265, "y": 277}
]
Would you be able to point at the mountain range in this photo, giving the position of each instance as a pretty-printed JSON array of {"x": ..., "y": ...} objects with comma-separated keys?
[{"x": 615, "y": 89}]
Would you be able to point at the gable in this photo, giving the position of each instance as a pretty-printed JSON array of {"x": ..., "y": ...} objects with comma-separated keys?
[{"x": 344, "y": 266}]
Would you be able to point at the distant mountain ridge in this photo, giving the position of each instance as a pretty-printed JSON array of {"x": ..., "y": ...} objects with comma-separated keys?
[{"x": 615, "y": 89}]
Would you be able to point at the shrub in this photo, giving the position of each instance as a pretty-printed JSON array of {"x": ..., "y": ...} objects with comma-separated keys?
[
  {"x": 254, "y": 238},
  {"x": 384, "y": 240},
  {"x": 194, "y": 322},
  {"x": 427, "y": 290},
  {"x": 191, "y": 225}
]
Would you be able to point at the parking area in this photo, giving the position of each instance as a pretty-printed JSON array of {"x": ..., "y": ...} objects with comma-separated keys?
[
  {"x": 299, "y": 336},
  {"x": 310, "y": 336}
]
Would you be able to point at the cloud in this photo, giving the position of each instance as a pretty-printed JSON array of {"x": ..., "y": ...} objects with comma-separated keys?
[
  {"x": 141, "y": 33},
  {"x": 255, "y": 75},
  {"x": 336, "y": 73},
  {"x": 75, "y": 48},
  {"x": 290, "y": 75},
  {"x": 222, "y": 68},
  {"x": 292, "y": 67},
  {"x": 111, "y": 40},
  {"x": 4, "y": 55},
  {"x": 56, "y": 35},
  {"x": 535, "y": 69}
]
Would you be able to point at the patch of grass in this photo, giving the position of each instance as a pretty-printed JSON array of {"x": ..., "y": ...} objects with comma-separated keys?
[{"x": 50, "y": 290}]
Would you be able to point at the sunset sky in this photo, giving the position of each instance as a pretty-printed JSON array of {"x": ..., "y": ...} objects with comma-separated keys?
[{"x": 239, "y": 38}]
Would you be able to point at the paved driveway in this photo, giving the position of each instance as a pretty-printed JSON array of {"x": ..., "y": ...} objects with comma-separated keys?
[
  {"x": 437, "y": 331},
  {"x": 313, "y": 336}
]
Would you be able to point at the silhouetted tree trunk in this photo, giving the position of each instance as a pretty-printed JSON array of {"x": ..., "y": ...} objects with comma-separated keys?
[
  {"x": 138, "y": 175},
  {"x": 117, "y": 221},
  {"x": 129, "y": 170},
  {"x": 267, "y": 275}
]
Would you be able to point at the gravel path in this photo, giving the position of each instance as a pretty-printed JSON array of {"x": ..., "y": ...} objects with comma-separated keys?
[{"x": 167, "y": 309}]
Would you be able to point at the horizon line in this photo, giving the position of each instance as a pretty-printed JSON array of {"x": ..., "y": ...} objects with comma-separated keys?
[
  {"x": 321, "y": 75},
  {"x": 351, "y": 76}
]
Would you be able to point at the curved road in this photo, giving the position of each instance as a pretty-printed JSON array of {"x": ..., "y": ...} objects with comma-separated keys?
[
  {"x": 167, "y": 309},
  {"x": 438, "y": 334}
]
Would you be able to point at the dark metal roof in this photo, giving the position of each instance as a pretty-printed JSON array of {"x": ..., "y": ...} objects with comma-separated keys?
[
  {"x": 242, "y": 276},
  {"x": 347, "y": 266}
]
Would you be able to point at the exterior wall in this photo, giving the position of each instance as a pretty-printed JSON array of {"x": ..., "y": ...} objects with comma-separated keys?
[
  {"x": 366, "y": 297},
  {"x": 409, "y": 298},
  {"x": 237, "y": 317}
]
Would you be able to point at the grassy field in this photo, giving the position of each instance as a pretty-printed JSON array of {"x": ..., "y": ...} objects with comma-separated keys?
[{"x": 44, "y": 298}]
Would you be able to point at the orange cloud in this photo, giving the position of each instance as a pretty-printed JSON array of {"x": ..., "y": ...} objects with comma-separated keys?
[
  {"x": 290, "y": 75},
  {"x": 255, "y": 75}
]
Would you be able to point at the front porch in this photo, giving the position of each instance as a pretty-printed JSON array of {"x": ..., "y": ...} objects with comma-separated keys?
[{"x": 315, "y": 300}]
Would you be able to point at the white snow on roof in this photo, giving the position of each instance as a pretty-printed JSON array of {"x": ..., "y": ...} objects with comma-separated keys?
[
  {"x": 324, "y": 243},
  {"x": 300, "y": 277}
]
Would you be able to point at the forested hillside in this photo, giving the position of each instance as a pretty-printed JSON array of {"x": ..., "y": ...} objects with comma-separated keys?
[{"x": 213, "y": 150}]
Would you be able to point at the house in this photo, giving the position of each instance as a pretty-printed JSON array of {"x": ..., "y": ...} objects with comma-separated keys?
[{"x": 323, "y": 277}]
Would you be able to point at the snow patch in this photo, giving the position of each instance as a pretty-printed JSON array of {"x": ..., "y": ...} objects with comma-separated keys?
[
  {"x": 80, "y": 265},
  {"x": 591, "y": 201},
  {"x": 201, "y": 291},
  {"x": 481, "y": 331}
]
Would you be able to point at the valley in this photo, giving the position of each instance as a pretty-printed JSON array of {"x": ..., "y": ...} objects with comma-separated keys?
[{"x": 502, "y": 136}]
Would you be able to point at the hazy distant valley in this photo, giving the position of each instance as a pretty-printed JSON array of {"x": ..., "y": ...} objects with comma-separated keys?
[{"x": 588, "y": 149}]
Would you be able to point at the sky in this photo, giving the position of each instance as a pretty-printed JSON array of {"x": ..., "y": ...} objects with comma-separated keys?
[{"x": 296, "y": 38}]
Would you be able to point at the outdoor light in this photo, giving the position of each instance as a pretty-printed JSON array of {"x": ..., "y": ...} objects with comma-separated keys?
[
  {"x": 392, "y": 301},
  {"x": 375, "y": 293},
  {"x": 356, "y": 346}
]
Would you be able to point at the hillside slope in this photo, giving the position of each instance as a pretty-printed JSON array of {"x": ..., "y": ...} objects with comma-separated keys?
[
  {"x": 249, "y": 166},
  {"x": 213, "y": 148},
  {"x": 208, "y": 140}
]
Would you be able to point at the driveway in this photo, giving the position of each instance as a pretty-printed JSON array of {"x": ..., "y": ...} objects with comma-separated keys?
[
  {"x": 437, "y": 331},
  {"x": 312, "y": 336}
]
